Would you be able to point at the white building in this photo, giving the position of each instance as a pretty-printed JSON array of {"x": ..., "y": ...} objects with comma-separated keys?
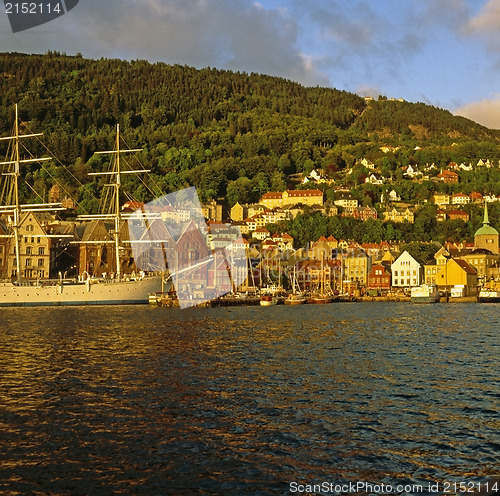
[{"x": 406, "y": 271}]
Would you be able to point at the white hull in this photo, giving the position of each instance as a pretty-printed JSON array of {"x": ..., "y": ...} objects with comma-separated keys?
[
  {"x": 486, "y": 296},
  {"x": 85, "y": 293},
  {"x": 426, "y": 293},
  {"x": 268, "y": 302}
]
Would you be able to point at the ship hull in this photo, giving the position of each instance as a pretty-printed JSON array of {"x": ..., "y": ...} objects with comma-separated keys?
[
  {"x": 79, "y": 294},
  {"x": 489, "y": 297},
  {"x": 426, "y": 293}
]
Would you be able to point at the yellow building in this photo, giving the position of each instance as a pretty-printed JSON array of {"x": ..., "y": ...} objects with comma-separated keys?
[
  {"x": 291, "y": 197},
  {"x": 34, "y": 245},
  {"x": 320, "y": 250},
  {"x": 357, "y": 264},
  {"x": 399, "y": 215},
  {"x": 237, "y": 213},
  {"x": 457, "y": 273}
]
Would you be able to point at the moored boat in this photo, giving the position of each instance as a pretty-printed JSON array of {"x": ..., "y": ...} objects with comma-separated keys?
[
  {"x": 85, "y": 290},
  {"x": 425, "y": 293},
  {"x": 320, "y": 298},
  {"x": 489, "y": 296},
  {"x": 268, "y": 300},
  {"x": 295, "y": 299}
]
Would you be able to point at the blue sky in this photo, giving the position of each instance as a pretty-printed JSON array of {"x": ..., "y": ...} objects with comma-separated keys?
[{"x": 442, "y": 52}]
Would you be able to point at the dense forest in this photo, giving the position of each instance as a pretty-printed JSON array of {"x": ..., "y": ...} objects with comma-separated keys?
[{"x": 232, "y": 135}]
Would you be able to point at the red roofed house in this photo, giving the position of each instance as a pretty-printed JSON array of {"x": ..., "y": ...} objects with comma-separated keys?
[
  {"x": 460, "y": 199},
  {"x": 261, "y": 233},
  {"x": 448, "y": 176},
  {"x": 476, "y": 197},
  {"x": 458, "y": 215}
]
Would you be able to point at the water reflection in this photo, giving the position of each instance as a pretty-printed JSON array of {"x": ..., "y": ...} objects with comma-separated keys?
[{"x": 134, "y": 400}]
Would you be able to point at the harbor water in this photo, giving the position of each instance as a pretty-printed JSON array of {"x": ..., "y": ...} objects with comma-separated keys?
[{"x": 249, "y": 400}]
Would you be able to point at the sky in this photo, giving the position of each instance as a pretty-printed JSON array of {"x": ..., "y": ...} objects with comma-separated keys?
[{"x": 444, "y": 53}]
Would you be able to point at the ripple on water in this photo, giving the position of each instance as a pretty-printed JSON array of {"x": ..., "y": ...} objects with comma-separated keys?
[{"x": 134, "y": 400}]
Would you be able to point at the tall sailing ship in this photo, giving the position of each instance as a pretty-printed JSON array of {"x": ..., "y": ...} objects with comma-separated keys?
[{"x": 85, "y": 290}]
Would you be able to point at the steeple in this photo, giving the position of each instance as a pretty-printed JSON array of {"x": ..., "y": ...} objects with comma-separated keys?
[
  {"x": 486, "y": 221},
  {"x": 486, "y": 236}
]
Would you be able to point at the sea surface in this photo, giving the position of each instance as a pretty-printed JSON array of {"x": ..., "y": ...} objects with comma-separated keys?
[{"x": 136, "y": 400}]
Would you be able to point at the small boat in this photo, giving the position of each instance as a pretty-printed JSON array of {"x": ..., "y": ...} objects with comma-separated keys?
[
  {"x": 268, "y": 299},
  {"x": 295, "y": 299},
  {"x": 425, "y": 293},
  {"x": 320, "y": 298},
  {"x": 489, "y": 295},
  {"x": 325, "y": 294}
]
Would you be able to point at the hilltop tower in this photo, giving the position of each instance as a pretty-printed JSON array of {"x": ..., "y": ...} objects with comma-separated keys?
[{"x": 486, "y": 237}]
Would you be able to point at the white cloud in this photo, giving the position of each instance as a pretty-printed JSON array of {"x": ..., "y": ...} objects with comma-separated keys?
[
  {"x": 486, "y": 24},
  {"x": 485, "y": 112},
  {"x": 236, "y": 35}
]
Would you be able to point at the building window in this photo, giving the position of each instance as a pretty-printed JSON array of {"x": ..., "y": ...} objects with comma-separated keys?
[
  {"x": 41, "y": 250},
  {"x": 28, "y": 250},
  {"x": 40, "y": 262},
  {"x": 28, "y": 262}
]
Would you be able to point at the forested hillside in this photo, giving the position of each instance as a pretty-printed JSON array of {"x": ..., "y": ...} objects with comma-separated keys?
[{"x": 232, "y": 135}]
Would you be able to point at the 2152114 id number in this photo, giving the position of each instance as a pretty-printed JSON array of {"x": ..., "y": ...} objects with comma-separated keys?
[{"x": 33, "y": 8}]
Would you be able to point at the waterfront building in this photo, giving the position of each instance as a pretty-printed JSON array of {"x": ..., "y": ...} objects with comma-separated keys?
[
  {"x": 486, "y": 263},
  {"x": 357, "y": 264},
  {"x": 34, "y": 248},
  {"x": 457, "y": 273},
  {"x": 379, "y": 278},
  {"x": 406, "y": 271}
]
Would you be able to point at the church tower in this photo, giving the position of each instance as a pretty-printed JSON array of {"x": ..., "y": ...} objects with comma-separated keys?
[{"x": 486, "y": 237}]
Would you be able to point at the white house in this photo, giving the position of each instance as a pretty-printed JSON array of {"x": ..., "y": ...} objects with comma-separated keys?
[
  {"x": 368, "y": 164},
  {"x": 406, "y": 271},
  {"x": 412, "y": 171},
  {"x": 393, "y": 197},
  {"x": 374, "y": 179}
]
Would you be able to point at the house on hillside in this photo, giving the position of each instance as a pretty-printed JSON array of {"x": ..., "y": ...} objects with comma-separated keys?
[
  {"x": 458, "y": 215},
  {"x": 448, "y": 176}
]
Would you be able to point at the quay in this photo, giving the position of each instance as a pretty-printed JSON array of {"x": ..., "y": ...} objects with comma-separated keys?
[{"x": 168, "y": 300}]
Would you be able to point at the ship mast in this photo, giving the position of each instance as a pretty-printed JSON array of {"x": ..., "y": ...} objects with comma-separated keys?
[
  {"x": 116, "y": 216},
  {"x": 17, "y": 208}
]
